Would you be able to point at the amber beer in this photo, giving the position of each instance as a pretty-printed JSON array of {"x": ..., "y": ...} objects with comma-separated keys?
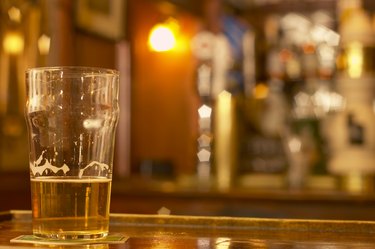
[{"x": 70, "y": 208}]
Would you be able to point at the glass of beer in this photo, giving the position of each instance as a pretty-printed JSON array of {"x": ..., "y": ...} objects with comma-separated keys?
[{"x": 71, "y": 114}]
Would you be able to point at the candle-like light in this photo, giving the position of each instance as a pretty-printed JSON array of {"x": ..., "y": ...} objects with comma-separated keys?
[
  {"x": 44, "y": 44},
  {"x": 163, "y": 36},
  {"x": 13, "y": 43},
  {"x": 15, "y": 14}
]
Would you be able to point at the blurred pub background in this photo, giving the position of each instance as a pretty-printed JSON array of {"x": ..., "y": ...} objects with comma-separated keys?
[{"x": 228, "y": 107}]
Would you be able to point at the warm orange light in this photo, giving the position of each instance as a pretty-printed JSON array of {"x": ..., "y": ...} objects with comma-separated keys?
[
  {"x": 260, "y": 91},
  {"x": 13, "y": 43},
  {"x": 355, "y": 59},
  {"x": 44, "y": 43},
  {"x": 15, "y": 14},
  {"x": 163, "y": 36}
]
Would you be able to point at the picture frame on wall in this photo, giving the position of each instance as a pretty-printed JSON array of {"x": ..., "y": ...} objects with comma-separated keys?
[{"x": 102, "y": 17}]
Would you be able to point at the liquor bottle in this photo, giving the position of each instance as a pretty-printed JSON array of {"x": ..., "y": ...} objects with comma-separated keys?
[
  {"x": 262, "y": 118},
  {"x": 352, "y": 143}
]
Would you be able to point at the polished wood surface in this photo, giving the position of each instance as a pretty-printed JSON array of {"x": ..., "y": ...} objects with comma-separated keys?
[
  {"x": 149, "y": 197},
  {"x": 136, "y": 196},
  {"x": 160, "y": 231}
]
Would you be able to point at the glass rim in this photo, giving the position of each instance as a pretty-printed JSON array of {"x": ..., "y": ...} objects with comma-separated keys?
[{"x": 95, "y": 70}]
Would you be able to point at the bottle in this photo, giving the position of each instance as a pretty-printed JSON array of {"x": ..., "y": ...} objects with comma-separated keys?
[{"x": 352, "y": 144}]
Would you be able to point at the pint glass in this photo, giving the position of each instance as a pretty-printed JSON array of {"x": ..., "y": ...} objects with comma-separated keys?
[{"x": 71, "y": 114}]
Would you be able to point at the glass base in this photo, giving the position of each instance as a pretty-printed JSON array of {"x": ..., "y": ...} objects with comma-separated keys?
[{"x": 69, "y": 236}]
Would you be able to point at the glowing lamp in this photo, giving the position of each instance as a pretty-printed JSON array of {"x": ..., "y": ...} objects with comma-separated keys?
[
  {"x": 13, "y": 43},
  {"x": 162, "y": 37}
]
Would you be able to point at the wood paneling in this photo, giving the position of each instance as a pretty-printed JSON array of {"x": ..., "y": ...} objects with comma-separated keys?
[
  {"x": 164, "y": 105},
  {"x": 94, "y": 51}
]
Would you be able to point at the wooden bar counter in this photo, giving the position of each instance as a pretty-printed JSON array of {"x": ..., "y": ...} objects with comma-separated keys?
[
  {"x": 137, "y": 197},
  {"x": 168, "y": 231}
]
